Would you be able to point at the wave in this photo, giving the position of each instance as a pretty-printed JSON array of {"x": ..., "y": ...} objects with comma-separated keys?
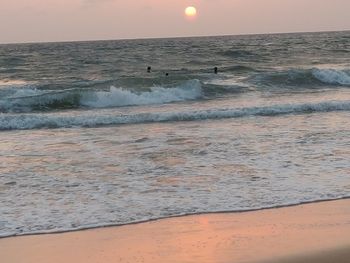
[
  {"x": 27, "y": 99},
  {"x": 88, "y": 119},
  {"x": 332, "y": 76},
  {"x": 237, "y": 68},
  {"x": 238, "y": 53},
  {"x": 311, "y": 78},
  {"x": 117, "y": 97}
]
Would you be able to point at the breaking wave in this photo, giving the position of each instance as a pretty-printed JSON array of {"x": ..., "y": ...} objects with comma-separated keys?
[
  {"x": 89, "y": 119},
  {"x": 31, "y": 99},
  {"x": 117, "y": 97}
]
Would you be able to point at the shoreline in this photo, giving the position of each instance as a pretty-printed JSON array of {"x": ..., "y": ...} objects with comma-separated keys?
[
  {"x": 173, "y": 217},
  {"x": 289, "y": 234}
]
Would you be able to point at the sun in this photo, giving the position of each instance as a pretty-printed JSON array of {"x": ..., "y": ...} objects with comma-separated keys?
[{"x": 190, "y": 12}]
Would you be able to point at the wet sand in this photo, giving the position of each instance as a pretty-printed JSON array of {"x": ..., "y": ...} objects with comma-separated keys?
[{"x": 318, "y": 232}]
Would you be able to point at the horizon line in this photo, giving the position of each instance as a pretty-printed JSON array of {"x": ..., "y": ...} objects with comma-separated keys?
[{"x": 173, "y": 37}]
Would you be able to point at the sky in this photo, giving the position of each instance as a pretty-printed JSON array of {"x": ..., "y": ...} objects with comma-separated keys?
[{"x": 68, "y": 20}]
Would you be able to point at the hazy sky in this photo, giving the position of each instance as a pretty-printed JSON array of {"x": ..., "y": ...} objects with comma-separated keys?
[{"x": 62, "y": 20}]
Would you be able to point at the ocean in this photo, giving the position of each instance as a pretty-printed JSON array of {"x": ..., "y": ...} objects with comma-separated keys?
[{"x": 89, "y": 138}]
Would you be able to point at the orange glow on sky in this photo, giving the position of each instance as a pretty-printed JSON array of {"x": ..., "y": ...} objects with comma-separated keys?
[{"x": 65, "y": 20}]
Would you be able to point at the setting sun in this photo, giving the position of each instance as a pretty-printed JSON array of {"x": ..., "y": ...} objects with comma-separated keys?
[{"x": 190, "y": 11}]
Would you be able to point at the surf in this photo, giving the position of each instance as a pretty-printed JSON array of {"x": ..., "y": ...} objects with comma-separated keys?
[{"x": 98, "y": 119}]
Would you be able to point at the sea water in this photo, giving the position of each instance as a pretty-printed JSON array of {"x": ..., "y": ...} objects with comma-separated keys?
[{"x": 89, "y": 138}]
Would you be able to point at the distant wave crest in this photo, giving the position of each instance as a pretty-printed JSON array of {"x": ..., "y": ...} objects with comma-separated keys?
[
  {"x": 301, "y": 78},
  {"x": 332, "y": 76}
]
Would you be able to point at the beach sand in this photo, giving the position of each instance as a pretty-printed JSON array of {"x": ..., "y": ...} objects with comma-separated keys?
[{"x": 318, "y": 232}]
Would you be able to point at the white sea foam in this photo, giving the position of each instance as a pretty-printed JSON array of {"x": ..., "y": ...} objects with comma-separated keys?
[
  {"x": 71, "y": 179},
  {"x": 332, "y": 76},
  {"x": 157, "y": 95},
  {"x": 37, "y": 121}
]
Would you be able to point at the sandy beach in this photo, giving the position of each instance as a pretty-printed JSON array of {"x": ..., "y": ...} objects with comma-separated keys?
[{"x": 318, "y": 232}]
